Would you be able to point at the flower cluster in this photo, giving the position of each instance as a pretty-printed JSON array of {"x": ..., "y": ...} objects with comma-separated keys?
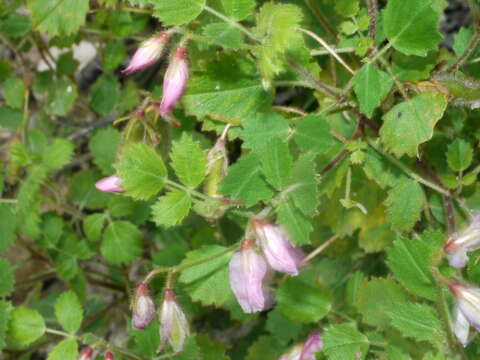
[{"x": 249, "y": 272}]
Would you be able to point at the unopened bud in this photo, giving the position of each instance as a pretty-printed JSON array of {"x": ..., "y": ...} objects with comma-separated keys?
[
  {"x": 148, "y": 53},
  {"x": 307, "y": 350},
  {"x": 248, "y": 273},
  {"x": 463, "y": 242},
  {"x": 143, "y": 308},
  {"x": 86, "y": 354},
  {"x": 108, "y": 356},
  {"x": 281, "y": 254},
  {"x": 174, "y": 82},
  {"x": 109, "y": 184},
  {"x": 174, "y": 327}
]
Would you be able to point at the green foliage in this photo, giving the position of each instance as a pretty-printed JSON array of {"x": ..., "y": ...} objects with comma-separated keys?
[
  {"x": 188, "y": 161},
  {"x": 4, "y": 318},
  {"x": 142, "y": 171},
  {"x": 66, "y": 349},
  {"x": 26, "y": 325},
  {"x": 171, "y": 208},
  {"x": 304, "y": 184},
  {"x": 277, "y": 163},
  {"x": 344, "y": 341},
  {"x": 7, "y": 280},
  {"x": 264, "y": 126},
  {"x": 103, "y": 145},
  {"x": 297, "y": 224},
  {"x": 313, "y": 134},
  {"x": 57, "y": 154},
  {"x": 8, "y": 225},
  {"x": 238, "y": 9},
  {"x": 224, "y": 35},
  {"x": 459, "y": 155},
  {"x": 122, "y": 242},
  {"x": 404, "y": 204},
  {"x": 178, "y": 13},
  {"x": 105, "y": 94},
  {"x": 69, "y": 312},
  {"x": 14, "y": 89}
]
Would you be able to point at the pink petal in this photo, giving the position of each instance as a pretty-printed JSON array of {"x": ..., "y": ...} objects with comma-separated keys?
[
  {"x": 109, "y": 184},
  {"x": 148, "y": 53}
]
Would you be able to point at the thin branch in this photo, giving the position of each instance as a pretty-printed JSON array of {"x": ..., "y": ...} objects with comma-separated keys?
[
  {"x": 372, "y": 14},
  {"x": 319, "y": 249},
  {"x": 471, "y": 47}
]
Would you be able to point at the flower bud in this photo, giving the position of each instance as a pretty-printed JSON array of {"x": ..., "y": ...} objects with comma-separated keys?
[
  {"x": 109, "y": 184},
  {"x": 467, "y": 310},
  {"x": 307, "y": 350},
  {"x": 174, "y": 82},
  {"x": 149, "y": 52},
  {"x": 143, "y": 308},
  {"x": 108, "y": 356},
  {"x": 248, "y": 279},
  {"x": 463, "y": 242},
  {"x": 281, "y": 254},
  {"x": 173, "y": 324},
  {"x": 86, "y": 354}
]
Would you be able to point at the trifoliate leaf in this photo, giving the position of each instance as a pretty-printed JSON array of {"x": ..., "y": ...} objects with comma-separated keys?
[
  {"x": 417, "y": 321},
  {"x": 188, "y": 161},
  {"x": 313, "y": 134},
  {"x": 208, "y": 281},
  {"x": 238, "y": 9},
  {"x": 412, "y": 26},
  {"x": 7, "y": 280},
  {"x": 122, "y": 242},
  {"x": 404, "y": 204},
  {"x": 459, "y": 155},
  {"x": 171, "y": 208},
  {"x": 69, "y": 312},
  {"x": 245, "y": 181},
  {"x": 262, "y": 127},
  {"x": 298, "y": 226},
  {"x": 66, "y": 349},
  {"x": 371, "y": 86},
  {"x": 57, "y": 154},
  {"x": 26, "y": 325},
  {"x": 178, "y": 12},
  {"x": 305, "y": 184},
  {"x": 411, "y": 123},
  {"x": 410, "y": 261},
  {"x": 93, "y": 225},
  {"x": 142, "y": 171},
  {"x": 103, "y": 145},
  {"x": 62, "y": 17},
  {"x": 344, "y": 341},
  {"x": 277, "y": 163}
]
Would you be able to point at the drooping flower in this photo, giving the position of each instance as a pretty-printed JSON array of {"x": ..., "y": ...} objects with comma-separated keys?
[
  {"x": 248, "y": 279},
  {"x": 467, "y": 310},
  {"x": 174, "y": 327},
  {"x": 174, "y": 82},
  {"x": 281, "y": 254},
  {"x": 148, "y": 53},
  {"x": 463, "y": 242},
  {"x": 143, "y": 308},
  {"x": 86, "y": 354},
  {"x": 108, "y": 356},
  {"x": 307, "y": 350},
  {"x": 109, "y": 184}
]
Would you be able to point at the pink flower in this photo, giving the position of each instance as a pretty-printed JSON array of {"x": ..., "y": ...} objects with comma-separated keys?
[
  {"x": 173, "y": 324},
  {"x": 109, "y": 184},
  {"x": 108, "y": 356},
  {"x": 248, "y": 278},
  {"x": 307, "y": 350},
  {"x": 467, "y": 310},
  {"x": 174, "y": 82},
  {"x": 143, "y": 308},
  {"x": 149, "y": 52},
  {"x": 463, "y": 242},
  {"x": 86, "y": 354},
  {"x": 280, "y": 253}
]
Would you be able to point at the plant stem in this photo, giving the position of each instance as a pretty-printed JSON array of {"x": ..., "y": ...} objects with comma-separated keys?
[
  {"x": 178, "y": 186},
  {"x": 380, "y": 53},
  {"x": 319, "y": 249},
  {"x": 471, "y": 47},
  {"x": 372, "y": 14},
  {"x": 57, "y": 332},
  {"x": 231, "y": 22},
  {"x": 11, "y": 201}
]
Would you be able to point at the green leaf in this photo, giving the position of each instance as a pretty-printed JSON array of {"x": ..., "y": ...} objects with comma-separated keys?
[
  {"x": 15, "y": 25},
  {"x": 245, "y": 181},
  {"x": 313, "y": 134},
  {"x": 223, "y": 34},
  {"x": 277, "y": 28},
  {"x": 411, "y": 122},
  {"x": 61, "y": 97},
  {"x": 114, "y": 54},
  {"x": 103, "y": 145},
  {"x": 261, "y": 127},
  {"x": 14, "y": 92},
  {"x": 93, "y": 225},
  {"x": 122, "y": 242},
  {"x": 8, "y": 224},
  {"x": 371, "y": 86},
  {"x": 4, "y": 318},
  {"x": 410, "y": 261},
  {"x": 208, "y": 281},
  {"x": 58, "y": 17},
  {"x": 57, "y": 154},
  {"x": 305, "y": 184},
  {"x": 69, "y": 312},
  {"x": 171, "y": 208},
  {"x": 382, "y": 171},
  {"x": 10, "y": 118},
  {"x": 459, "y": 155},
  {"x": 142, "y": 171},
  {"x": 417, "y": 321},
  {"x": 344, "y": 341},
  {"x": 83, "y": 192},
  {"x": 413, "y": 68},
  {"x": 277, "y": 163},
  {"x": 280, "y": 327},
  {"x": 189, "y": 161},
  {"x": 67, "y": 64},
  {"x": 105, "y": 94},
  {"x": 66, "y": 349},
  {"x": 461, "y": 39},
  {"x": 412, "y": 26},
  {"x": 303, "y": 299},
  {"x": 238, "y": 9},
  {"x": 179, "y": 12},
  {"x": 386, "y": 292},
  {"x": 404, "y": 204},
  {"x": 264, "y": 348},
  {"x": 347, "y": 8},
  {"x": 26, "y": 325},
  {"x": 298, "y": 226},
  {"x": 7, "y": 280}
]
